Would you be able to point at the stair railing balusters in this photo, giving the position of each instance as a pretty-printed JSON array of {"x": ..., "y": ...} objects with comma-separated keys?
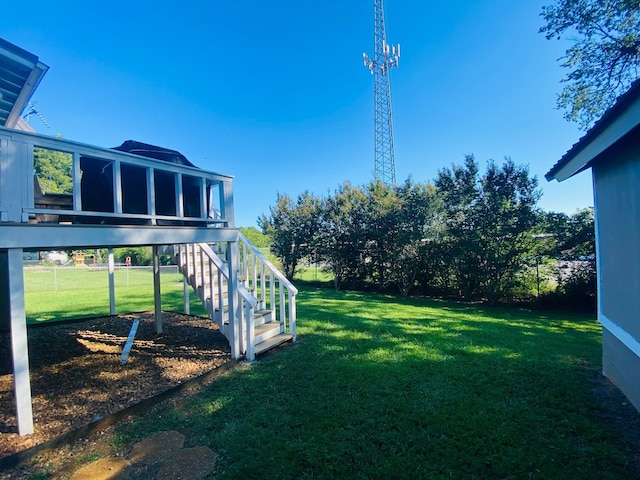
[
  {"x": 254, "y": 275},
  {"x": 263, "y": 302},
  {"x": 283, "y": 312},
  {"x": 292, "y": 314},
  {"x": 203, "y": 277},
  {"x": 272, "y": 295}
]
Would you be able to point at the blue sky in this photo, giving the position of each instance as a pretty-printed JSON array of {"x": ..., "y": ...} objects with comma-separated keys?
[{"x": 275, "y": 93}]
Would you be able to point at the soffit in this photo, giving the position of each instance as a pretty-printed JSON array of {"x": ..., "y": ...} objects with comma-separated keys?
[{"x": 20, "y": 74}]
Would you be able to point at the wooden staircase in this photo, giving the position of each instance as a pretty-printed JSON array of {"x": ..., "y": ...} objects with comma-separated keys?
[{"x": 253, "y": 304}]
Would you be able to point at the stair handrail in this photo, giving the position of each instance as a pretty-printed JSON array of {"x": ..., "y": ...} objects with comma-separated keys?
[
  {"x": 283, "y": 280},
  {"x": 220, "y": 265},
  {"x": 215, "y": 259},
  {"x": 246, "y": 316},
  {"x": 242, "y": 320}
]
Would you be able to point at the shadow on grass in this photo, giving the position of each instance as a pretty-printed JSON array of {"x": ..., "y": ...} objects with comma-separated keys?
[{"x": 401, "y": 388}]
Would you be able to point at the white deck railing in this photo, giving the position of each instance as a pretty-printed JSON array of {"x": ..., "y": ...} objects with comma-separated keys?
[{"x": 170, "y": 193}]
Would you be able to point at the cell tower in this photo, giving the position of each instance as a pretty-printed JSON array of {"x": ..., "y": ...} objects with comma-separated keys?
[{"x": 384, "y": 59}]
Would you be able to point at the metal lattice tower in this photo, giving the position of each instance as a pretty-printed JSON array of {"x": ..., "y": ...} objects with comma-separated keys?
[{"x": 384, "y": 59}]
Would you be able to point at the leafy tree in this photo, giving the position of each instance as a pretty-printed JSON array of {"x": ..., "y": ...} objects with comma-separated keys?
[
  {"x": 568, "y": 237},
  {"x": 488, "y": 222},
  {"x": 581, "y": 243},
  {"x": 605, "y": 56},
  {"x": 255, "y": 236},
  {"x": 53, "y": 170},
  {"x": 506, "y": 213},
  {"x": 415, "y": 210},
  {"x": 292, "y": 228},
  {"x": 458, "y": 188},
  {"x": 380, "y": 219},
  {"x": 341, "y": 238},
  {"x": 139, "y": 255},
  {"x": 574, "y": 246}
]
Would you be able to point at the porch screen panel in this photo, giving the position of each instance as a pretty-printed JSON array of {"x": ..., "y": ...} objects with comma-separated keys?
[
  {"x": 192, "y": 196},
  {"x": 165, "y": 193},
  {"x": 134, "y": 189},
  {"x": 96, "y": 185}
]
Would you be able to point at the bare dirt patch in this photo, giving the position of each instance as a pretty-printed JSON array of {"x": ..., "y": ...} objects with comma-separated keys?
[{"x": 77, "y": 378}]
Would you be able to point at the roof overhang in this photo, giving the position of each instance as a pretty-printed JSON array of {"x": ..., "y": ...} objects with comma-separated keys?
[
  {"x": 20, "y": 74},
  {"x": 618, "y": 122}
]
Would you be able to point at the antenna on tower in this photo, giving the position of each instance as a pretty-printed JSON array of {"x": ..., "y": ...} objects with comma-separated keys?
[
  {"x": 384, "y": 59},
  {"x": 32, "y": 111}
]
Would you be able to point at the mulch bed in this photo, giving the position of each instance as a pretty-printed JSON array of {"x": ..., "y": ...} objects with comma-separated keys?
[{"x": 77, "y": 378}]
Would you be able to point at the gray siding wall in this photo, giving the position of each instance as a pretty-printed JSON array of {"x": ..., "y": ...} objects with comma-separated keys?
[
  {"x": 622, "y": 367},
  {"x": 617, "y": 193}
]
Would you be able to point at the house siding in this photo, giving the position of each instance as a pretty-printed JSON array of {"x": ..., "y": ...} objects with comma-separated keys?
[
  {"x": 617, "y": 193},
  {"x": 621, "y": 366}
]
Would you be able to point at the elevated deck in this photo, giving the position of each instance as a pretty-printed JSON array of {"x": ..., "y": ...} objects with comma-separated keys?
[
  {"x": 108, "y": 187},
  {"x": 109, "y": 199},
  {"x": 57, "y": 194}
]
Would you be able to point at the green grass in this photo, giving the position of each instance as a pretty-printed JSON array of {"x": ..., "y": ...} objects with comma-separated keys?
[
  {"x": 387, "y": 387},
  {"x": 67, "y": 293},
  {"x": 314, "y": 275}
]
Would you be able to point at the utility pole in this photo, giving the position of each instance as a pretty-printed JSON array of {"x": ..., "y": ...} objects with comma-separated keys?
[{"x": 384, "y": 59}]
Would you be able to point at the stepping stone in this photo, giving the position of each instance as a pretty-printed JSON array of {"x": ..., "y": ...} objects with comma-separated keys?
[
  {"x": 188, "y": 464},
  {"x": 156, "y": 448},
  {"x": 110, "y": 468}
]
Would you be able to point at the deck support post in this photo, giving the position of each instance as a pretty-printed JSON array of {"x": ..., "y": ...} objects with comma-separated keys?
[
  {"x": 156, "y": 290},
  {"x": 112, "y": 282},
  {"x": 185, "y": 293},
  {"x": 19, "y": 344},
  {"x": 186, "y": 275}
]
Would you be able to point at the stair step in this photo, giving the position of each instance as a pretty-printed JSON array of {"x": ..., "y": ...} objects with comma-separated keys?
[
  {"x": 265, "y": 331},
  {"x": 273, "y": 342},
  {"x": 262, "y": 316}
]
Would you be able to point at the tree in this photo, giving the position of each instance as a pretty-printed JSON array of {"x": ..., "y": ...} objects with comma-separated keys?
[
  {"x": 138, "y": 255},
  {"x": 292, "y": 228},
  {"x": 341, "y": 238},
  {"x": 458, "y": 245},
  {"x": 415, "y": 210},
  {"x": 576, "y": 250},
  {"x": 255, "y": 236},
  {"x": 53, "y": 170},
  {"x": 380, "y": 219},
  {"x": 488, "y": 224},
  {"x": 605, "y": 56},
  {"x": 568, "y": 237},
  {"x": 507, "y": 213}
]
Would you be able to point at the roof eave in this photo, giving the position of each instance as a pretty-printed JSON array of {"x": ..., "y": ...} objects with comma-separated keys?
[
  {"x": 614, "y": 125},
  {"x": 38, "y": 71}
]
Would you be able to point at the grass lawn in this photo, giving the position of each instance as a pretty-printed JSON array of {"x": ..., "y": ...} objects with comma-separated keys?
[
  {"x": 65, "y": 293},
  {"x": 386, "y": 387}
]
